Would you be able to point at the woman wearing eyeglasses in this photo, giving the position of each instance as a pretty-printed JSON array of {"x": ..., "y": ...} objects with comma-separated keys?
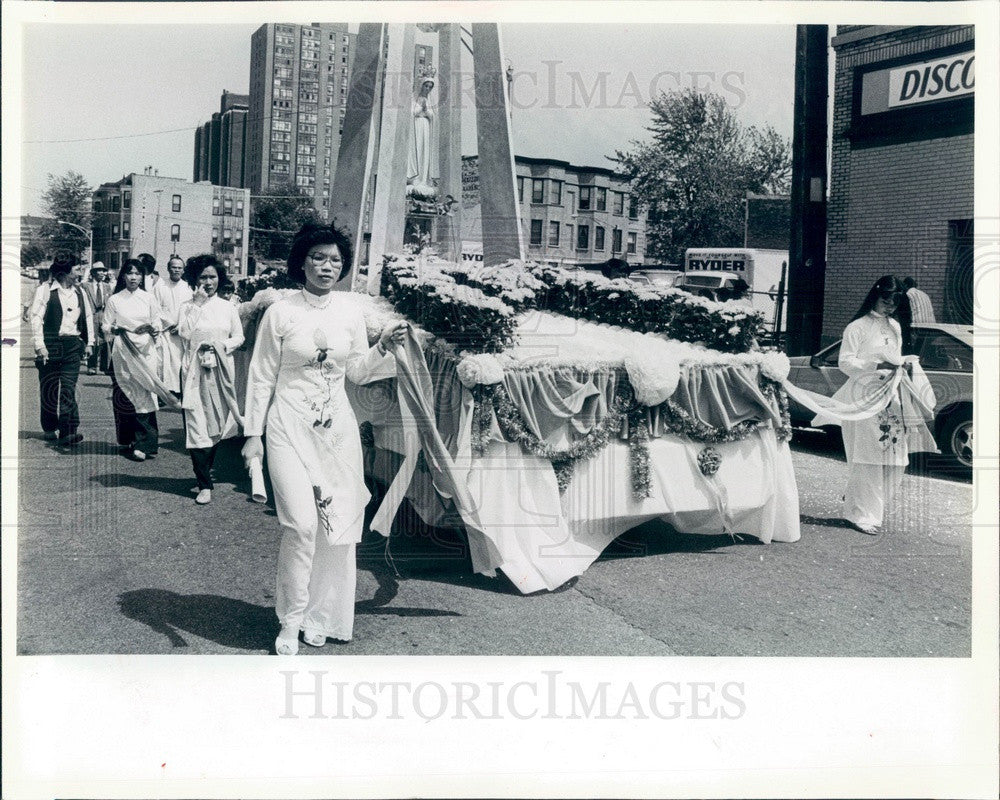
[
  {"x": 878, "y": 448},
  {"x": 307, "y": 344}
]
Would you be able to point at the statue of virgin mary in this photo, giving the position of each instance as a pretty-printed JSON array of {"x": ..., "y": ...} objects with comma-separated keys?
[{"x": 418, "y": 163}]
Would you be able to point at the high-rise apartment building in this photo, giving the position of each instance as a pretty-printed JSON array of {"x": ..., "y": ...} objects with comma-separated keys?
[
  {"x": 299, "y": 75},
  {"x": 219, "y": 144}
]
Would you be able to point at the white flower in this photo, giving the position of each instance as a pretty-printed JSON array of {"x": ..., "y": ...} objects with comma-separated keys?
[
  {"x": 775, "y": 365},
  {"x": 483, "y": 368},
  {"x": 653, "y": 375},
  {"x": 734, "y": 331}
]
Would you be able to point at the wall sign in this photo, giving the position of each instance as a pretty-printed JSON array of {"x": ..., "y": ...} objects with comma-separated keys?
[{"x": 915, "y": 84}]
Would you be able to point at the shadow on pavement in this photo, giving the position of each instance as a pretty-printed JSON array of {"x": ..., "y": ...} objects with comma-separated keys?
[
  {"x": 151, "y": 483},
  {"x": 228, "y": 622},
  {"x": 827, "y": 522}
]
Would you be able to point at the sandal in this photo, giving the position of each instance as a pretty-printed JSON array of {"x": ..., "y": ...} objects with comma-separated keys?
[
  {"x": 285, "y": 646},
  {"x": 314, "y": 638}
]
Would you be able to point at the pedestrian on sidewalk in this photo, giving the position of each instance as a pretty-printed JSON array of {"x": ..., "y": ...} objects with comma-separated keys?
[
  {"x": 210, "y": 330},
  {"x": 62, "y": 327},
  {"x": 132, "y": 322},
  {"x": 307, "y": 344}
]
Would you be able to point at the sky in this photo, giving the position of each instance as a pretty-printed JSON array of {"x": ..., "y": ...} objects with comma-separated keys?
[{"x": 132, "y": 95}]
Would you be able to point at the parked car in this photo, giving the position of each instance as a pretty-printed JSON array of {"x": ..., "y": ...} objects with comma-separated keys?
[
  {"x": 945, "y": 353},
  {"x": 656, "y": 277}
]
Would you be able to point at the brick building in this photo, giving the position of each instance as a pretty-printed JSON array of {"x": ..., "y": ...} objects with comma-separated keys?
[
  {"x": 901, "y": 186},
  {"x": 148, "y": 213},
  {"x": 570, "y": 215}
]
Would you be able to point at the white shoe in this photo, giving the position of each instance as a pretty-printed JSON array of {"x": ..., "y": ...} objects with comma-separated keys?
[
  {"x": 313, "y": 638},
  {"x": 871, "y": 530},
  {"x": 138, "y": 455},
  {"x": 204, "y": 496},
  {"x": 287, "y": 643}
]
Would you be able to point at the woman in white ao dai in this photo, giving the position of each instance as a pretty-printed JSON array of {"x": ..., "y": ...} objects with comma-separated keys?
[{"x": 307, "y": 344}]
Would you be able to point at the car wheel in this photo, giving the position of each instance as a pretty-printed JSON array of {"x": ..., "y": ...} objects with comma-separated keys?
[{"x": 955, "y": 440}]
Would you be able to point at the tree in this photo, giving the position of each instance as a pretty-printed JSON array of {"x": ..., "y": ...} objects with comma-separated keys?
[
  {"x": 696, "y": 171},
  {"x": 275, "y": 217},
  {"x": 31, "y": 255},
  {"x": 67, "y": 198}
]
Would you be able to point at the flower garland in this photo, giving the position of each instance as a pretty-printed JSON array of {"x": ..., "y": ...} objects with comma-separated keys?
[{"x": 638, "y": 447}]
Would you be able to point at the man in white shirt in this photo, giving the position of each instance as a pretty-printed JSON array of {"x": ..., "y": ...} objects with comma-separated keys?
[
  {"x": 921, "y": 309},
  {"x": 62, "y": 327},
  {"x": 171, "y": 294}
]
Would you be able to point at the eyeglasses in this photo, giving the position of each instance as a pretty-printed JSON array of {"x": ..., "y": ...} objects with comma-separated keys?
[{"x": 318, "y": 259}]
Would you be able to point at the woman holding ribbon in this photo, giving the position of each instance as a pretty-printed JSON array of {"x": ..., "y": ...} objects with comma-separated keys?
[
  {"x": 307, "y": 344},
  {"x": 892, "y": 385},
  {"x": 209, "y": 329},
  {"x": 132, "y": 322}
]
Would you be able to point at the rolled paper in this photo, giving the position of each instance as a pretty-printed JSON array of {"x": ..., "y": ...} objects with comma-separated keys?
[{"x": 257, "y": 491}]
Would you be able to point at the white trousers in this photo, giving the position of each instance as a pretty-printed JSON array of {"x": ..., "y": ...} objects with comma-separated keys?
[
  {"x": 870, "y": 489},
  {"x": 316, "y": 580}
]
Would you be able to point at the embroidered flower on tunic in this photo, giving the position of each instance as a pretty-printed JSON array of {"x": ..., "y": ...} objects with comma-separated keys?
[{"x": 890, "y": 427}]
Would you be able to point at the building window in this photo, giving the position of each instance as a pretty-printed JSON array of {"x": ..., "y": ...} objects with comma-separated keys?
[
  {"x": 97, "y": 206},
  {"x": 520, "y": 189},
  {"x": 616, "y": 241},
  {"x": 126, "y": 229},
  {"x": 225, "y": 263},
  {"x": 227, "y": 235},
  {"x": 237, "y": 264},
  {"x": 126, "y": 200},
  {"x": 537, "y": 190},
  {"x": 585, "y": 192},
  {"x": 175, "y": 233},
  {"x": 602, "y": 199},
  {"x": 633, "y": 207},
  {"x": 175, "y": 204},
  {"x": 619, "y": 204},
  {"x": 536, "y": 232},
  {"x": 553, "y": 234},
  {"x": 555, "y": 193},
  {"x": 215, "y": 205},
  {"x": 227, "y": 205},
  {"x": 582, "y": 237},
  {"x": 239, "y": 206},
  {"x": 116, "y": 203},
  {"x": 598, "y": 238},
  {"x": 215, "y": 235},
  {"x": 631, "y": 241},
  {"x": 114, "y": 230}
]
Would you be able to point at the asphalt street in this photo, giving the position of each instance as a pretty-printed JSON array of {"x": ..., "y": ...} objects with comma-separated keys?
[{"x": 115, "y": 557}]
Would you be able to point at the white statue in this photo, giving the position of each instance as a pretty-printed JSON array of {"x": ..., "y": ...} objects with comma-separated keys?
[{"x": 418, "y": 164}]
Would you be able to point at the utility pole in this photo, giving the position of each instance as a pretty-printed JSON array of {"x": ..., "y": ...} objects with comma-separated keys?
[
  {"x": 807, "y": 251},
  {"x": 156, "y": 230}
]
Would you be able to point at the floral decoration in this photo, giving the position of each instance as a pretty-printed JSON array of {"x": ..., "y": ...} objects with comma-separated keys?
[{"x": 709, "y": 461}]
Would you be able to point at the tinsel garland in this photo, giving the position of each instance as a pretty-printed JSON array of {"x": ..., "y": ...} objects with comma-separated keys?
[
  {"x": 494, "y": 399},
  {"x": 514, "y": 429},
  {"x": 638, "y": 446}
]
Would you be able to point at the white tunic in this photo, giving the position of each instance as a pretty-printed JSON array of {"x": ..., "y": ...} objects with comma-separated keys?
[
  {"x": 880, "y": 439},
  {"x": 207, "y": 418},
  {"x": 130, "y": 310},
  {"x": 171, "y": 296},
  {"x": 306, "y": 346}
]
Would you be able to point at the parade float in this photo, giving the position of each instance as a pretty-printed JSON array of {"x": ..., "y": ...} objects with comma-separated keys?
[{"x": 548, "y": 411}]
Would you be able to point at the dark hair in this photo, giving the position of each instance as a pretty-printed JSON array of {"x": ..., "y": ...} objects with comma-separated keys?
[
  {"x": 614, "y": 267},
  {"x": 909, "y": 283},
  {"x": 226, "y": 286},
  {"x": 198, "y": 264},
  {"x": 62, "y": 264},
  {"x": 890, "y": 285},
  {"x": 127, "y": 267},
  {"x": 308, "y": 237},
  {"x": 176, "y": 257},
  {"x": 146, "y": 262}
]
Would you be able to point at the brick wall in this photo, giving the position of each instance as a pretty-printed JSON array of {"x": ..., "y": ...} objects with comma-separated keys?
[{"x": 890, "y": 205}]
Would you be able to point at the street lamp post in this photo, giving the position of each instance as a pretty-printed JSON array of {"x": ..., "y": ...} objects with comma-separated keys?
[
  {"x": 156, "y": 230},
  {"x": 90, "y": 237}
]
